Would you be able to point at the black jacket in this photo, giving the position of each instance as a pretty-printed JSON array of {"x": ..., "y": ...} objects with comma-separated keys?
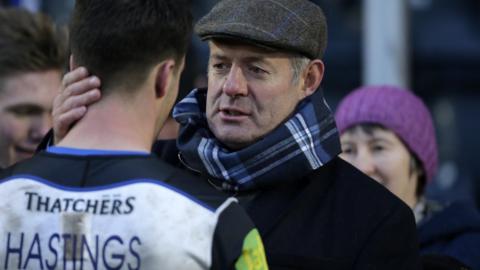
[{"x": 335, "y": 218}]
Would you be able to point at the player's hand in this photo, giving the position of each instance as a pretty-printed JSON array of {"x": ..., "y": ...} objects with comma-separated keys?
[{"x": 77, "y": 91}]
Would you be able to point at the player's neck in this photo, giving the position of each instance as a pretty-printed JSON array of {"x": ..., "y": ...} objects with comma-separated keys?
[{"x": 114, "y": 124}]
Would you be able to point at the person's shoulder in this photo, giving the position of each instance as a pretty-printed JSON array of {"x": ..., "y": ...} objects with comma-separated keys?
[
  {"x": 117, "y": 169},
  {"x": 463, "y": 209},
  {"x": 376, "y": 214},
  {"x": 235, "y": 236},
  {"x": 167, "y": 151},
  {"x": 457, "y": 218},
  {"x": 194, "y": 187},
  {"x": 353, "y": 180},
  {"x": 17, "y": 168},
  {"x": 360, "y": 190},
  {"x": 453, "y": 231}
]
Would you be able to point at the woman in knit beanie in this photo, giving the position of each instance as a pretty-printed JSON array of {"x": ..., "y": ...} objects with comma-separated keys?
[{"x": 388, "y": 133}]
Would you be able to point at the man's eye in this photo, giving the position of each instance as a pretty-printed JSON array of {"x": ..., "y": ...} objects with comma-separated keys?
[
  {"x": 347, "y": 151},
  {"x": 22, "y": 111},
  {"x": 220, "y": 66},
  {"x": 257, "y": 70}
]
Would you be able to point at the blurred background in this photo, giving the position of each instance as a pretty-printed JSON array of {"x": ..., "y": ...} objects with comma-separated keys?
[{"x": 429, "y": 46}]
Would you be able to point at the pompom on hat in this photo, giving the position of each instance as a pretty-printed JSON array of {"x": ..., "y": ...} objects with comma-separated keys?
[{"x": 398, "y": 110}]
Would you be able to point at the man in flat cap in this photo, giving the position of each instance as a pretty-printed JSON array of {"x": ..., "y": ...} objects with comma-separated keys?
[{"x": 263, "y": 132}]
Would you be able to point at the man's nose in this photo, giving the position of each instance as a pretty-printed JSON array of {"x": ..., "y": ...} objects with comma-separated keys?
[
  {"x": 235, "y": 83},
  {"x": 40, "y": 126}
]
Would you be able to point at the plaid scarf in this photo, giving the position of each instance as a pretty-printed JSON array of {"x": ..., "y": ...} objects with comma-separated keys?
[{"x": 304, "y": 142}]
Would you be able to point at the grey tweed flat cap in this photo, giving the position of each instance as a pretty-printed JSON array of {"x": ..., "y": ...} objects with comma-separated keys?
[{"x": 293, "y": 25}]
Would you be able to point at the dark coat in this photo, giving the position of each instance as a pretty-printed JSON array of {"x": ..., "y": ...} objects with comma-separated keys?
[
  {"x": 454, "y": 232},
  {"x": 334, "y": 218}
]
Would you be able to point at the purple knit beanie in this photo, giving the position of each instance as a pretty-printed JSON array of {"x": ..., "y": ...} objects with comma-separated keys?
[{"x": 398, "y": 110}]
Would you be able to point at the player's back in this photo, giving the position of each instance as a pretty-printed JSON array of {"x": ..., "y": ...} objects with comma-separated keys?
[{"x": 78, "y": 209}]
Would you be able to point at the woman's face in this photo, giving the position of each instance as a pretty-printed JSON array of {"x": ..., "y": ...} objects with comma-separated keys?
[{"x": 380, "y": 154}]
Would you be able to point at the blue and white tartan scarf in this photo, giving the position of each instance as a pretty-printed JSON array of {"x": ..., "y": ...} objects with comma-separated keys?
[{"x": 304, "y": 142}]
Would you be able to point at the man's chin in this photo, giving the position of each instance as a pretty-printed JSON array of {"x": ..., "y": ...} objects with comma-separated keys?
[
  {"x": 234, "y": 137},
  {"x": 235, "y": 142},
  {"x": 22, "y": 153}
]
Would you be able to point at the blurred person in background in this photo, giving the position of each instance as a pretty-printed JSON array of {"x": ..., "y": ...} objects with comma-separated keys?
[
  {"x": 388, "y": 133},
  {"x": 32, "y": 57}
]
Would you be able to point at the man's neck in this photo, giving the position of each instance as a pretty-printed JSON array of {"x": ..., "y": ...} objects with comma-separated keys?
[
  {"x": 113, "y": 124},
  {"x": 169, "y": 130}
]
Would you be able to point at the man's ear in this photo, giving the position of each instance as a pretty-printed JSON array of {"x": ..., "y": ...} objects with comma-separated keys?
[
  {"x": 163, "y": 78},
  {"x": 314, "y": 76},
  {"x": 73, "y": 65}
]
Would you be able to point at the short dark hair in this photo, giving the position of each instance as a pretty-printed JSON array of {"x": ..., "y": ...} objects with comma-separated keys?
[
  {"x": 30, "y": 42},
  {"x": 120, "y": 40}
]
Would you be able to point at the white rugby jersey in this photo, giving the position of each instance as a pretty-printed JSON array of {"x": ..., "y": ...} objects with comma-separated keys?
[{"x": 108, "y": 210}]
